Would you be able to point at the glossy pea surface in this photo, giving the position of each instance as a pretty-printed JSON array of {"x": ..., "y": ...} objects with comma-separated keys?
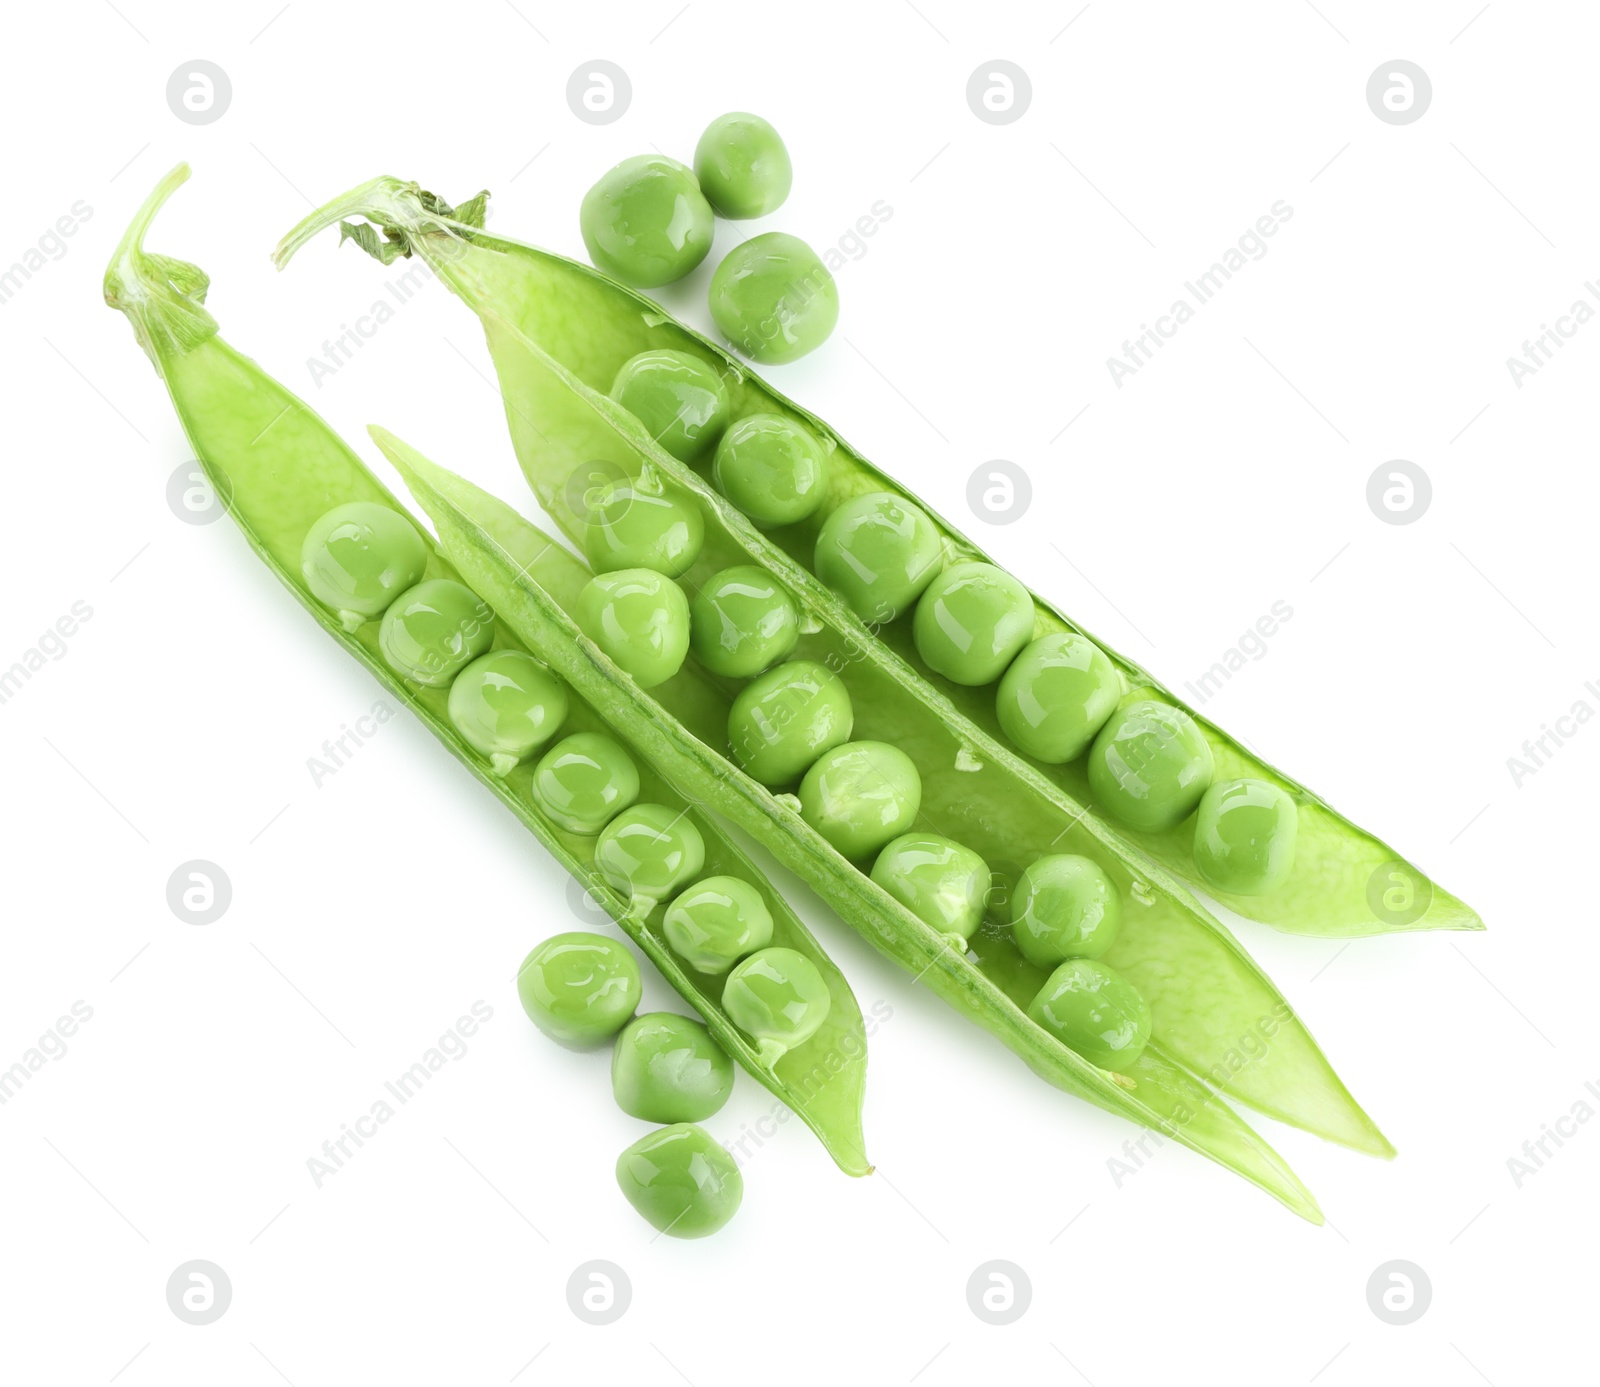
[
  {"x": 1056, "y": 695},
  {"x": 778, "y": 998},
  {"x": 579, "y": 988},
  {"x": 680, "y": 400},
  {"x": 971, "y": 622},
  {"x": 781, "y": 722},
  {"x": 1064, "y": 907},
  {"x": 1244, "y": 837},
  {"x": 434, "y": 630},
  {"x": 878, "y": 553},
  {"x": 1149, "y": 765},
  {"x": 584, "y": 781},
  {"x": 646, "y": 221},
  {"x": 506, "y": 705},
  {"x": 680, "y": 1181},
  {"x": 743, "y": 166},
  {"x": 942, "y": 883},
  {"x": 742, "y": 622},
  {"x": 640, "y": 619},
  {"x": 357, "y": 558},
  {"x": 860, "y": 795},
  {"x": 649, "y": 851},
  {"x": 667, "y": 1068},
  {"x": 716, "y": 922},
  {"x": 774, "y": 299},
  {"x": 632, "y": 527},
  {"x": 772, "y": 468},
  {"x": 1093, "y": 1009}
]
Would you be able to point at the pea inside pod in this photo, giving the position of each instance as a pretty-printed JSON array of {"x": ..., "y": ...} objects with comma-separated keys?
[
  {"x": 681, "y": 401},
  {"x": 772, "y": 468},
  {"x": 583, "y": 782},
  {"x": 506, "y": 705},
  {"x": 972, "y": 621},
  {"x": 742, "y": 622},
  {"x": 716, "y": 922},
  {"x": 358, "y": 557},
  {"x": 1150, "y": 765},
  {"x": 434, "y": 630},
  {"x": 942, "y": 883},
  {"x": 648, "y": 852},
  {"x": 640, "y": 619},
  {"x": 860, "y": 795},
  {"x": 632, "y": 526},
  {"x": 879, "y": 553},
  {"x": 777, "y": 998},
  {"x": 1244, "y": 837},
  {"x": 783, "y": 721},
  {"x": 1094, "y": 1010}
]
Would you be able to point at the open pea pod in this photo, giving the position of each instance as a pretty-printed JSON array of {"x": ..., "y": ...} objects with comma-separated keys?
[
  {"x": 1345, "y": 881},
  {"x": 280, "y": 467},
  {"x": 1199, "y": 983}
]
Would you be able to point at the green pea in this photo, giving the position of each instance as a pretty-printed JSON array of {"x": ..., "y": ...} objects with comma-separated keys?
[
  {"x": 631, "y": 527},
  {"x": 716, "y": 922},
  {"x": 860, "y": 795},
  {"x": 649, "y": 851},
  {"x": 1244, "y": 837},
  {"x": 579, "y": 988},
  {"x": 778, "y": 998},
  {"x": 742, "y": 166},
  {"x": 1057, "y": 694},
  {"x": 681, "y": 401},
  {"x": 741, "y": 622},
  {"x": 506, "y": 705},
  {"x": 772, "y": 469},
  {"x": 1093, "y": 1009},
  {"x": 646, "y": 222},
  {"x": 878, "y": 553},
  {"x": 971, "y": 622},
  {"x": 681, "y": 1182},
  {"x": 774, "y": 299},
  {"x": 943, "y": 884},
  {"x": 357, "y": 558},
  {"x": 583, "y": 782},
  {"x": 1065, "y": 907},
  {"x": 781, "y": 722},
  {"x": 667, "y": 1068},
  {"x": 640, "y": 619},
  {"x": 432, "y": 632},
  {"x": 1150, "y": 765}
]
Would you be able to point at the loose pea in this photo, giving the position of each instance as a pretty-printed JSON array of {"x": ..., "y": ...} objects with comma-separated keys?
[
  {"x": 772, "y": 469},
  {"x": 640, "y": 619},
  {"x": 1150, "y": 765},
  {"x": 1094, "y": 1010},
  {"x": 942, "y": 883},
  {"x": 680, "y": 400},
  {"x": 860, "y": 795},
  {"x": 435, "y": 630},
  {"x": 780, "y": 723},
  {"x": 778, "y": 998},
  {"x": 742, "y": 166},
  {"x": 774, "y": 299},
  {"x": 971, "y": 622},
  {"x": 357, "y": 558},
  {"x": 1065, "y": 907},
  {"x": 649, "y": 851},
  {"x": 667, "y": 1068},
  {"x": 1057, "y": 694},
  {"x": 716, "y": 922},
  {"x": 506, "y": 705},
  {"x": 878, "y": 553},
  {"x": 1244, "y": 837},
  {"x": 681, "y": 1182},
  {"x": 583, "y": 781},
  {"x": 646, "y": 221},
  {"x": 741, "y": 622},
  {"x": 579, "y": 988},
  {"x": 631, "y": 527}
]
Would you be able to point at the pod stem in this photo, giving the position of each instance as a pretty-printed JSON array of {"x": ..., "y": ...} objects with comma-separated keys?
[{"x": 162, "y": 297}]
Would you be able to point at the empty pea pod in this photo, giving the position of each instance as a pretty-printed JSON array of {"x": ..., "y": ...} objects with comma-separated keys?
[
  {"x": 557, "y": 326},
  {"x": 285, "y": 470}
]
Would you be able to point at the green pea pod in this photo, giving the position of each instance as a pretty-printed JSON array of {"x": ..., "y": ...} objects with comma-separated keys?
[
  {"x": 1345, "y": 882},
  {"x": 1200, "y": 984},
  {"x": 280, "y": 467}
]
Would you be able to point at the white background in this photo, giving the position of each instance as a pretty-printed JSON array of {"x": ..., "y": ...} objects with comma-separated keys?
[{"x": 1228, "y": 474}]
